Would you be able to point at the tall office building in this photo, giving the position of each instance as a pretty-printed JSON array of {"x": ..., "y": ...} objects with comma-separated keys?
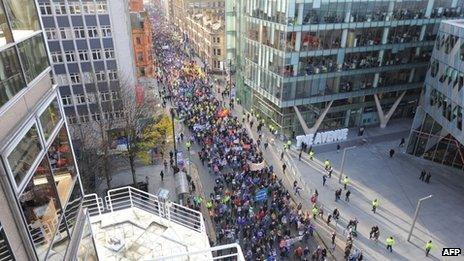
[
  {"x": 40, "y": 190},
  {"x": 437, "y": 132},
  {"x": 91, "y": 51},
  {"x": 309, "y": 65}
]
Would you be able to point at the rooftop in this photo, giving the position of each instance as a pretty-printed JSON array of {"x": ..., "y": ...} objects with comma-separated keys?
[{"x": 136, "y": 225}]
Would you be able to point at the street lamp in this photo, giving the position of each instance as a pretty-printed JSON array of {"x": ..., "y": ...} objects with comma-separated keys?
[
  {"x": 173, "y": 113},
  {"x": 415, "y": 216},
  {"x": 343, "y": 162}
]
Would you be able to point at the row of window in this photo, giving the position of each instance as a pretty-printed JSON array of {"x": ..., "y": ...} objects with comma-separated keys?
[
  {"x": 95, "y": 117},
  {"x": 99, "y": 7},
  {"x": 448, "y": 76},
  {"x": 86, "y": 77},
  {"x": 83, "y": 55},
  {"x": 79, "y": 99},
  {"x": 449, "y": 109},
  {"x": 77, "y": 32}
]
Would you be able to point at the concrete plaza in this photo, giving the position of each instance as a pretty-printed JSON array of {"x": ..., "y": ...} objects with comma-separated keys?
[{"x": 395, "y": 182}]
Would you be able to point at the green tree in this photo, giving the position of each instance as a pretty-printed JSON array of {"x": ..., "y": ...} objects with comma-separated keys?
[{"x": 154, "y": 136}]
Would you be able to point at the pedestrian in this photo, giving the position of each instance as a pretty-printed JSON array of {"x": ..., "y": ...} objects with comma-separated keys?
[
  {"x": 402, "y": 142},
  {"x": 311, "y": 155},
  {"x": 390, "y": 242},
  {"x": 334, "y": 235},
  {"x": 373, "y": 231},
  {"x": 427, "y": 178},
  {"x": 282, "y": 155},
  {"x": 299, "y": 155},
  {"x": 338, "y": 148},
  {"x": 392, "y": 152},
  {"x": 422, "y": 175},
  {"x": 284, "y": 167},
  {"x": 375, "y": 205},
  {"x": 347, "y": 196},
  {"x": 324, "y": 179},
  {"x": 346, "y": 181},
  {"x": 265, "y": 145},
  {"x": 326, "y": 164},
  {"x": 336, "y": 215},
  {"x": 162, "y": 175},
  {"x": 315, "y": 212},
  {"x": 329, "y": 219},
  {"x": 330, "y": 172},
  {"x": 428, "y": 247},
  {"x": 165, "y": 163}
]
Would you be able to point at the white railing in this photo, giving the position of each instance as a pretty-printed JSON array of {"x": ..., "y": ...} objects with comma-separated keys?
[
  {"x": 128, "y": 197},
  {"x": 94, "y": 204},
  {"x": 223, "y": 252}
]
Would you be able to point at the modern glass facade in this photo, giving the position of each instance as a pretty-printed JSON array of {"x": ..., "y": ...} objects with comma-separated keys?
[
  {"x": 437, "y": 133},
  {"x": 40, "y": 188},
  {"x": 308, "y": 53}
]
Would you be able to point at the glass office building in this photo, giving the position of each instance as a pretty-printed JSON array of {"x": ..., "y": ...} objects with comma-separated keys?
[
  {"x": 40, "y": 192},
  {"x": 302, "y": 55},
  {"x": 437, "y": 132}
]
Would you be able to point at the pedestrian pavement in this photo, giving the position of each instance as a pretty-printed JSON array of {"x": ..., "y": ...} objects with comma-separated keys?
[{"x": 395, "y": 182}]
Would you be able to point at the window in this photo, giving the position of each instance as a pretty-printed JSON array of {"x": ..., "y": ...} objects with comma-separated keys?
[
  {"x": 57, "y": 57},
  {"x": 5, "y": 32},
  {"x": 101, "y": 76},
  {"x": 74, "y": 7},
  {"x": 216, "y": 39},
  {"x": 105, "y": 96},
  {"x": 23, "y": 17},
  {"x": 11, "y": 79},
  {"x": 109, "y": 53},
  {"x": 92, "y": 31},
  {"x": 140, "y": 57},
  {"x": 51, "y": 34},
  {"x": 24, "y": 154},
  {"x": 61, "y": 79},
  {"x": 66, "y": 33},
  {"x": 102, "y": 8},
  {"x": 95, "y": 116},
  {"x": 217, "y": 51},
  {"x": 80, "y": 98},
  {"x": 66, "y": 100},
  {"x": 106, "y": 31},
  {"x": 112, "y": 75},
  {"x": 34, "y": 58},
  {"x": 84, "y": 118},
  {"x": 96, "y": 54},
  {"x": 60, "y": 8},
  {"x": 118, "y": 114},
  {"x": 70, "y": 57},
  {"x": 79, "y": 32},
  {"x": 75, "y": 78},
  {"x": 72, "y": 120},
  {"x": 45, "y": 8},
  {"x": 40, "y": 207},
  {"x": 138, "y": 40},
  {"x": 83, "y": 55},
  {"x": 62, "y": 163},
  {"x": 89, "y": 8},
  {"x": 50, "y": 118},
  {"x": 114, "y": 95},
  {"x": 87, "y": 77}
]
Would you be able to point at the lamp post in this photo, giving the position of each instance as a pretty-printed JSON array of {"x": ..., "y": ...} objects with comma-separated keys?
[
  {"x": 343, "y": 162},
  {"x": 230, "y": 79},
  {"x": 415, "y": 215},
  {"x": 173, "y": 113}
]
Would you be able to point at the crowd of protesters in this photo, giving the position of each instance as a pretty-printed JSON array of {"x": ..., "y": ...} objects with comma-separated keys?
[{"x": 249, "y": 204}]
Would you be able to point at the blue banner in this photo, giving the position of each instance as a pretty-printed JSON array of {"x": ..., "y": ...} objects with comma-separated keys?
[{"x": 261, "y": 195}]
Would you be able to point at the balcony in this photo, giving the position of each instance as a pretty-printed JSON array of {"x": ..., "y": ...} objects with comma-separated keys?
[{"x": 132, "y": 224}]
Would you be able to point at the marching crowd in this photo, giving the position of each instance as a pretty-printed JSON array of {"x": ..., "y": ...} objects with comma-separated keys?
[{"x": 269, "y": 227}]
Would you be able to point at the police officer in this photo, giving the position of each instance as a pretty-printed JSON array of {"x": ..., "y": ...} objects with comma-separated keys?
[
  {"x": 311, "y": 155},
  {"x": 428, "y": 247},
  {"x": 390, "y": 242},
  {"x": 346, "y": 180},
  {"x": 375, "y": 205}
]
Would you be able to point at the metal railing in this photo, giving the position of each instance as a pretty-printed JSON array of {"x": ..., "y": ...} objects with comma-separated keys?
[
  {"x": 223, "y": 252},
  {"x": 129, "y": 197}
]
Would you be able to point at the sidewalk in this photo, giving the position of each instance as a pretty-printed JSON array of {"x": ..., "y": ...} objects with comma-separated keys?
[{"x": 395, "y": 182}]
